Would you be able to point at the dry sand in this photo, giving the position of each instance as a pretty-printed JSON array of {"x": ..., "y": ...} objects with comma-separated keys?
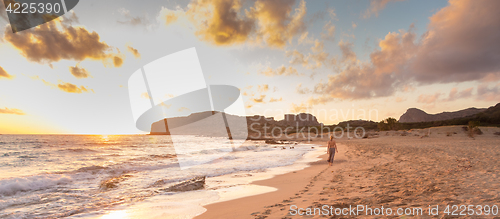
[{"x": 386, "y": 169}]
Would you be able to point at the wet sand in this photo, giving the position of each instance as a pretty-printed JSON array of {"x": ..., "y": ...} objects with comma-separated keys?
[{"x": 438, "y": 166}]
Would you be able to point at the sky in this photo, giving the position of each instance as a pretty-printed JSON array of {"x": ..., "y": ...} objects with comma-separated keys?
[{"x": 339, "y": 60}]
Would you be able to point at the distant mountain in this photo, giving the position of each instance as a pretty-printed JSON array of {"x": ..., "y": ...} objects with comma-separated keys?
[
  {"x": 212, "y": 123},
  {"x": 417, "y": 115},
  {"x": 488, "y": 117}
]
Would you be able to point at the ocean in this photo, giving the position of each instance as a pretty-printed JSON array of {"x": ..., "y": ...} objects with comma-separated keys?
[{"x": 101, "y": 176}]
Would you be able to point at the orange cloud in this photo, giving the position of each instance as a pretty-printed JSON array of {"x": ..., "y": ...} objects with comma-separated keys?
[
  {"x": 347, "y": 53},
  {"x": 275, "y": 100},
  {"x": 58, "y": 40},
  {"x": 428, "y": 98},
  {"x": 225, "y": 22},
  {"x": 301, "y": 90},
  {"x": 145, "y": 95},
  {"x": 277, "y": 25},
  {"x": 282, "y": 70},
  {"x": 298, "y": 108},
  {"x": 71, "y": 88},
  {"x": 79, "y": 72},
  {"x": 117, "y": 61},
  {"x": 260, "y": 99},
  {"x": 400, "y": 99},
  {"x": 263, "y": 88},
  {"x": 11, "y": 111},
  {"x": 220, "y": 22},
  {"x": 4, "y": 74},
  {"x": 170, "y": 16},
  {"x": 316, "y": 59},
  {"x": 378, "y": 78},
  {"x": 183, "y": 109},
  {"x": 134, "y": 51},
  {"x": 328, "y": 31}
]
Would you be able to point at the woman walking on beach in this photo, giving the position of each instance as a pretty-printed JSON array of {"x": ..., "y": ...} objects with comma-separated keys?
[{"x": 331, "y": 149}]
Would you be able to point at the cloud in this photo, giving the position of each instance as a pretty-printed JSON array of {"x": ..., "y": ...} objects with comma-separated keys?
[
  {"x": 64, "y": 86},
  {"x": 170, "y": 16},
  {"x": 487, "y": 93},
  {"x": 347, "y": 52},
  {"x": 117, "y": 61},
  {"x": 354, "y": 25},
  {"x": 79, "y": 72},
  {"x": 282, "y": 70},
  {"x": 300, "y": 108},
  {"x": 301, "y": 90},
  {"x": 297, "y": 58},
  {"x": 259, "y": 99},
  {"x": 400, "y": 99},
  {"x": 461, "y": 44},
  {"x": 428, "y": 98},
  {"x": 455, "y": 94},
  {"x": 375, "y": 7},
  {"x": 318, "y": 100},
  {"x": 272, "y": 100},
  {"x": 316, "y": 59},
  {"x": 183, "y": 109},
  {"x": 378, "y": 78},
  {"x": 225, "y": 22},
  {"x": 458, "y": 46},
  {"x": 328, "y": 31},
  {"x": 145, "y": 95},
  {"x": 135, "y": 52},
  {"x": 305, "y": 39},
  {"x": 4, "y": 74},
  {"x": 57, "y": 40},
  {"x": 11, "y": 111},
  {"x": 131, "y": 20},
  {"x": 71, "y": 88},
  {"x": 263, "y": 88}
]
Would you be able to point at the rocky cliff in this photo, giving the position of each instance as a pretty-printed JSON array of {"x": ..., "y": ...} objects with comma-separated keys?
[
  {"x": 213, "y": 123},
  {"x": 417, "y": 115}
]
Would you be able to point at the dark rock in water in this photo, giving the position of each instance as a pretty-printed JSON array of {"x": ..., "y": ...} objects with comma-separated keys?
[
  {"x": 196, "y": 183},
  {"x": 113, "y": 182},
  {"x": 272, "y": 141},
  {"x": 496, "y": 133}
]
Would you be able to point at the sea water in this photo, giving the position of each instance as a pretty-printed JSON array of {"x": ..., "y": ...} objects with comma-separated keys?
[{"x": 94, "y": 176}]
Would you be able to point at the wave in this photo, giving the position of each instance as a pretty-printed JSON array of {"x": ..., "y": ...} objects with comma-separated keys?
[
  {"x": 12, "y": 186},
  {"x": 92, "y": 168},
  {"x": 113, "y": 181},
  {"x": 162, "y": 156}
]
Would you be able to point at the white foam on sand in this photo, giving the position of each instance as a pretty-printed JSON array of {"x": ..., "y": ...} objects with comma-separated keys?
[
  {"x": 217, "y": 189},
  {"x": 238, "y": 185}
]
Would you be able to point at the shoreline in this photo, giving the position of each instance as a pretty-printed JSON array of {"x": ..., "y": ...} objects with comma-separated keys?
[
  {"x": 284, "y": 185},
  {"x": 218, "y": 190}
]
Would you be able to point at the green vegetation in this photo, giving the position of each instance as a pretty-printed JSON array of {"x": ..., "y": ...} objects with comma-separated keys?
[
  {"x": 388, "y": 124},
  {"x": 472, "y": 129}
]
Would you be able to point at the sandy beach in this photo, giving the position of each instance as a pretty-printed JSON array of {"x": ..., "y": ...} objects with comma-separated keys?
[{"x": 407, "y": 170}]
